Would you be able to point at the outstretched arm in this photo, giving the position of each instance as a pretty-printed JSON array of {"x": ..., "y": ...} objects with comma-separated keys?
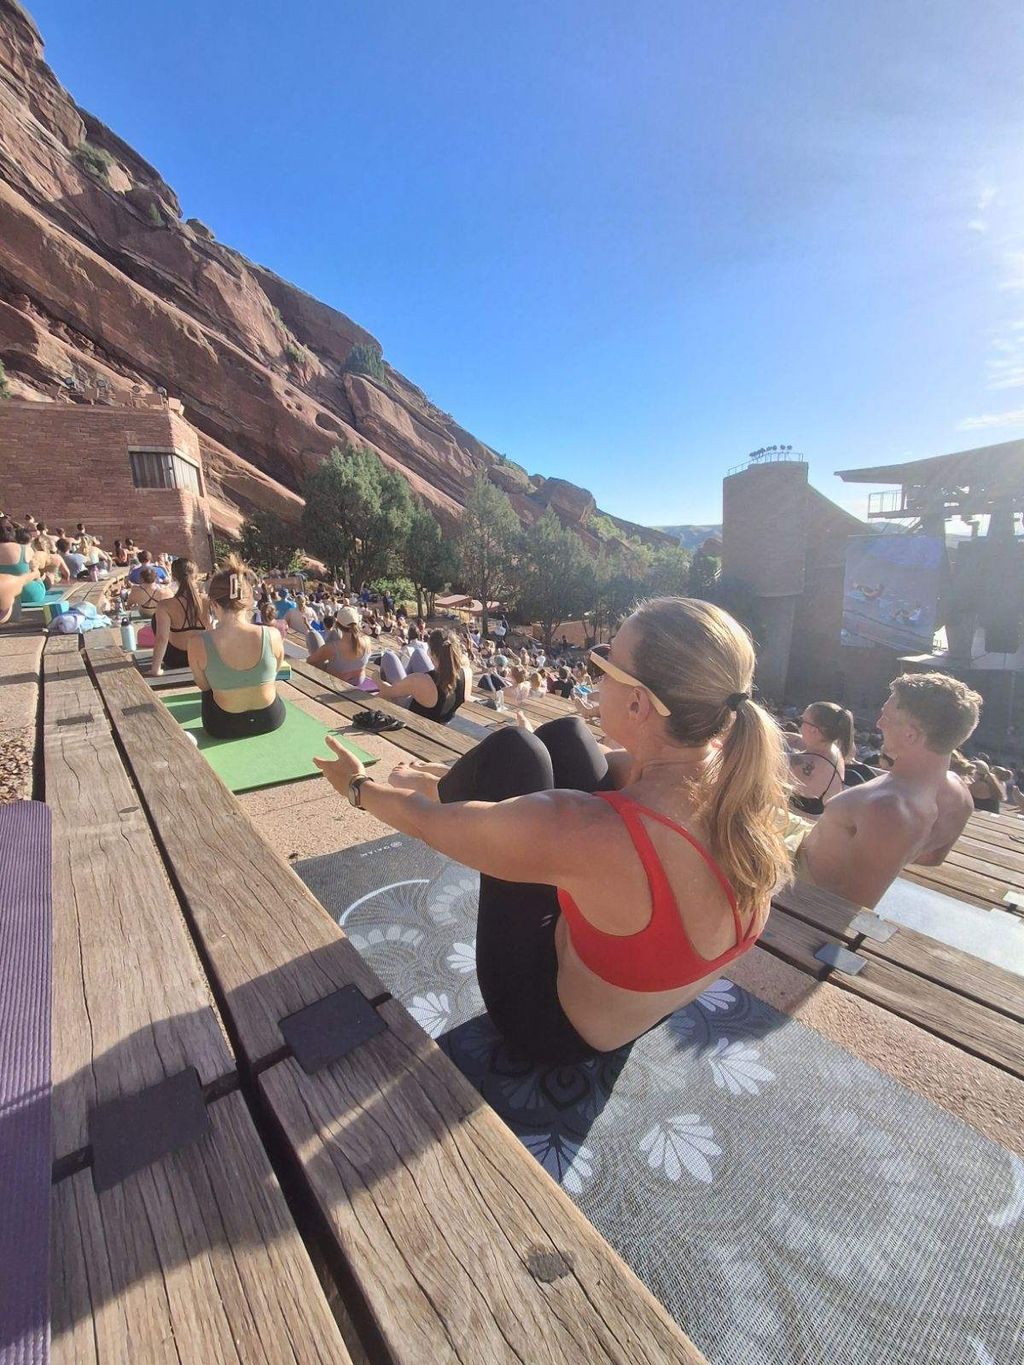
[{"x": 534, "y": 838}]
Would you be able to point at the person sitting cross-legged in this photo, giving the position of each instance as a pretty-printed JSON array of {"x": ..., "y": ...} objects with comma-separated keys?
[
  {"x": 235, "y": 666},
  {"x": 615, "y": 887},
  {"x": 176, "y": 619},
  {"x": 18, "y": 569},
  {"x": 913, "y": 813},
  {"x": 147, "y": 593},
  {"x": 345, "y": 651},
  {"x": 435, "y": 692}
]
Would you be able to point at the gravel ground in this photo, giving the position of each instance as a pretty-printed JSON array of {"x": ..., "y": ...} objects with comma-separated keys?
[{"x": 15, "y": 766}]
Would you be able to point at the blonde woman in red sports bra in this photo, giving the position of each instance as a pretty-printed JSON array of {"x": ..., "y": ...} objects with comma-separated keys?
[{"x": 615, "y": 885}]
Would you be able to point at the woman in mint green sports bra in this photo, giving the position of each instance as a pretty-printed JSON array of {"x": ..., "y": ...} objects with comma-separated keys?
[
  {"x": 236, "y": 665},
  {"x": 18, "y": 571}
]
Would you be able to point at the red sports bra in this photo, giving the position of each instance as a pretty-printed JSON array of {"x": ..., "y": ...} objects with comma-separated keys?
[{"x": 659, "y": 957}]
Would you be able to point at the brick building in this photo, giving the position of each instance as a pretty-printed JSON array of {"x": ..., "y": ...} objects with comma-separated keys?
[
  {"x": 123, "y": 471},
  {"x": 786, "y": 542}
]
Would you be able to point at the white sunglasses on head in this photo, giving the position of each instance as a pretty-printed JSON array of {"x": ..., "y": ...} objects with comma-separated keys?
[{"x": 620, "y": 675}]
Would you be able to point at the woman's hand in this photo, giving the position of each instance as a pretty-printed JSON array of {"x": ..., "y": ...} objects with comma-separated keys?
[{"x": 340, "y": 770}]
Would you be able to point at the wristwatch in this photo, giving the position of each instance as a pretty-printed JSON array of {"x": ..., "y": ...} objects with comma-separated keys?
[{"x": 355, "y": 788}]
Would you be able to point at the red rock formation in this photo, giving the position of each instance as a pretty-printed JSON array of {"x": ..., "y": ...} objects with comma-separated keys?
[{"x": 101, "y": 281}]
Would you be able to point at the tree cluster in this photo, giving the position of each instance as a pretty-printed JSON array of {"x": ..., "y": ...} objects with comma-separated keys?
[{"x": 361, "y": 520}]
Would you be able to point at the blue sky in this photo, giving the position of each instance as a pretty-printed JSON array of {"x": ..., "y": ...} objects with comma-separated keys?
[{"x": 622, "y": 244}]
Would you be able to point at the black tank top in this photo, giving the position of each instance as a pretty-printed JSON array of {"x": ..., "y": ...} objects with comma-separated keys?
[
  {"x": 445, "y": 707},
  {"x": 812, "y": 805}
]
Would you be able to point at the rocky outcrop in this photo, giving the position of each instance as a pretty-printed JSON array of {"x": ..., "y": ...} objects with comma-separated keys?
[
  {"x": 574, "y": 505},
  {"x": 103, "y": 288}
]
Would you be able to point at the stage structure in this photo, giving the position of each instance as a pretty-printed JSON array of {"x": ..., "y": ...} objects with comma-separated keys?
[
  {"x": 784, "y": 543},
  {"x": 979, "y": 591}
]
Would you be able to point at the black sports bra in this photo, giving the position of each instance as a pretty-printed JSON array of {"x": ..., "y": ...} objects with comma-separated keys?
[{"x": 812, "y": 805}]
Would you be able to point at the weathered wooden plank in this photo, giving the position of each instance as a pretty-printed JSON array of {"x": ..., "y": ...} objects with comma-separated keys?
[
  {"x": 1008, "y": 835},
  {"x": 19, "y": 678},
  {"x": 1009, "y": 856},
  {"x": 795, "y": 941},
  {"x": 972, "y": 861},
  {"x": 984, "y": 1032},
  {"x": 483, "y": 715},
  {"x": 408, "y": 740},
  {"x": 819, "y": 908},
  {"x": 916, "y": 875},
  {"x": 429, "y": 729},
  {"x": 959, "y": 881},
  {"x": 195, "y": 1258},
  {"x": 131, "y": 1003},
  {"x": 271, "y": 946},
  {"x": 991, "y": 986},
  {"x": 463, "y": 1247}
]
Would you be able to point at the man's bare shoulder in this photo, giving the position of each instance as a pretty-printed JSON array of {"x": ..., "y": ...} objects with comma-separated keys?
[
  {"x": 956, "y": 794},
  {"x": 879, "y": 799}
]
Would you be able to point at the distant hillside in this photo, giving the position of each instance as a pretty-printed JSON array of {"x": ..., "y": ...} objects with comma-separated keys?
[{"x": 691, "y": 537}]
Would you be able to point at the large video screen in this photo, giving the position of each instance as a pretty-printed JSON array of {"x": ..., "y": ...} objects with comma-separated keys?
[{"x": 891, "y": 591}]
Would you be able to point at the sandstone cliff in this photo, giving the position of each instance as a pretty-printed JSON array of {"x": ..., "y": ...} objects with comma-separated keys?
[{"x": 104, "y": 285}]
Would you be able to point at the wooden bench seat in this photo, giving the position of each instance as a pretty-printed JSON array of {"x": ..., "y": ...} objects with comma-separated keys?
[
  {"x": 422, "y": 737},
  {"x": 131, "y": 1002},
  {"x": 456, "y": 1244},
  {"x": 966, "y": 1000},
  {"x": 195, "y": 1256}
]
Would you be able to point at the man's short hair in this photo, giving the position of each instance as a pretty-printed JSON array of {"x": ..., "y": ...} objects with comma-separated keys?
[
  {"x": 945, "y": 709},
  {"x": 144, "y": 556}
]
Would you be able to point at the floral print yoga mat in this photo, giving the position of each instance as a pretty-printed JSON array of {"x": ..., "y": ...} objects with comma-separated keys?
[{"x": 787, "y": 1202}]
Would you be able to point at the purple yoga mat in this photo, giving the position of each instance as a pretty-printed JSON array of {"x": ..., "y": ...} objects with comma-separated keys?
[{"x": 25, "y": 995}]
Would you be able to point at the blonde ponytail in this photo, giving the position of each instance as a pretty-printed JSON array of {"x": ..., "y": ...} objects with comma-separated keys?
[
  {"x": 743, "y": 808},
  {"x": 700, "y": 662}
]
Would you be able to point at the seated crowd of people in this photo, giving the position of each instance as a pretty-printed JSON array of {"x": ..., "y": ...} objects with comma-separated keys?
[{"x": 620, "y": 873}]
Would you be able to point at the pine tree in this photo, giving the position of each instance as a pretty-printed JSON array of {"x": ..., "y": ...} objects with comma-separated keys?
[
  {"x": 556, "y": 576},
  {"x": 489, "y": 540},
  {"x": 357, "y": 514},
  {"x": 430, "y": 560}
]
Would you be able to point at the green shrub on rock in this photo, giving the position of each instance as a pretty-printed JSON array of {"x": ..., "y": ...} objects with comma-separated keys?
[
  {"x": 95, "y": 160},
  {"x": 364, "y": 359}
]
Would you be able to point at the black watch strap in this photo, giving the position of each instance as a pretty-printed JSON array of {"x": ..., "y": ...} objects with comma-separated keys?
[{"x": 355, "y": 789}]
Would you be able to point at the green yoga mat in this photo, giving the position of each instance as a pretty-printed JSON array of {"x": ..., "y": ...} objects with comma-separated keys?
[{"x": 245, "y": 765}]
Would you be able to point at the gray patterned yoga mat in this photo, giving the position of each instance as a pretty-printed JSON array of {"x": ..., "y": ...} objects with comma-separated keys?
[{"x": 788, "y": 1203}]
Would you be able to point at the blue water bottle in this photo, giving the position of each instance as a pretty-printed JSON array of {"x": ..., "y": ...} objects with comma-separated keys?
[{"x": 128, "y": 641}]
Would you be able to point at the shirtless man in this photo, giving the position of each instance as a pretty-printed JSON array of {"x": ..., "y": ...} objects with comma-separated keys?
[{"x": 913, "y": 814}]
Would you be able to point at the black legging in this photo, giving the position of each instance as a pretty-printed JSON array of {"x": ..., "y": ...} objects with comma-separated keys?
[
  {"x": 516, "y": 962},
  {"x": 221, "y": 724}
]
